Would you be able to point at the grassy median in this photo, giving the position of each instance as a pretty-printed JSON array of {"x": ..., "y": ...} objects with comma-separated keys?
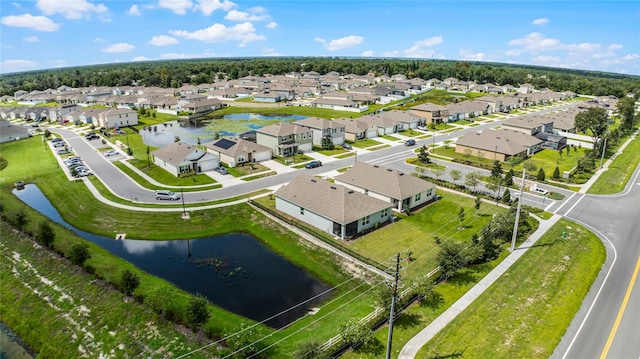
[{"x": 615, "y": 178}]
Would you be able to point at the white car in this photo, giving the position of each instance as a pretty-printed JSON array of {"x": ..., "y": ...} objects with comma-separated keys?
[
  {"x": 83, "y": 173},
  {"x": 111, "y": 153},
  {"x": 541, "y": 191}
]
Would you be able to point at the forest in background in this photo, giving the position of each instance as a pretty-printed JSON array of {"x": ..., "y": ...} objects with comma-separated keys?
[{"x": 175, "y": 73}]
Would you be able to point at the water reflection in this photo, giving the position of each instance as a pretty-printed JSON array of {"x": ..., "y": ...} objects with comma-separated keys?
[{"x": 234, "y": 271}]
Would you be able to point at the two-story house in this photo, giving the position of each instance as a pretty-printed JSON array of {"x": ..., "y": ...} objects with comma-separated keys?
[
  {"x": 323, "y": 128},
  {"x": 285, "y": 139}
]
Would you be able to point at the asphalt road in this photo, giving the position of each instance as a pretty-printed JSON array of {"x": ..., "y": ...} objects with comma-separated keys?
[{"x": 594, "y": 332}]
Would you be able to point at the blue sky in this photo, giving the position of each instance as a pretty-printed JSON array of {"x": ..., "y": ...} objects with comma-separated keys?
[{"x": 593, "y": 35}]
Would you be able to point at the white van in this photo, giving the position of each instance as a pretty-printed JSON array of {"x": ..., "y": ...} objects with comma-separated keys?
[{"x": 166, "y": 194}]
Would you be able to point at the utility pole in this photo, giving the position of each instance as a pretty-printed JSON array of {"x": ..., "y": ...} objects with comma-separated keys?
[
  {"x": 184, "y": 211},
  {"x": 393, "y": 306},
  {"x": 604, "y": 147},
  {"x": 515, "y": 225}
]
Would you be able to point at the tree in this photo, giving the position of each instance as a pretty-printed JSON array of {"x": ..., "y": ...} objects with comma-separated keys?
[
  {"x": 311, "y": 349},
  {"x": 426, "y": 292},
  {"x": 506, "y": 197},
  {"x": 541, "y": 175},
  {"x": 595, "y": 120},
  {"x": 47, "y": 133},
  {"x": 556, "y": 173},
  {"x": 327, "y": 143},
  {"x": 46, "y": 235},
  {"x": 423, "y": 155},
  {"x": 385, "y": 294},
  {"x": 496, "y": 170},
  {"x": 452, "y": 256},
  {"x": 247, "y": 343},
  {"x": 161, "y": 300},
  {"x": 148, "y": 158},
  {"x": 472, "y": 179},
  {"x": 478, "y": 202},
  {"x": 20, "y": 218},
  {"x": 176, "y": 138},
  {"x": 461, "y": 217},
  {"x": 626, "y": 109},
  {"x": 437, "y": 172},
  {"x": 455, "y": 175},
  {"x": 79, "y": 253},
  {"x": 197, "y": 312},
  {"x": 129, "y": 281},
  {"x": 356, "y": 334},
  {"x": 508, "y": 178}
]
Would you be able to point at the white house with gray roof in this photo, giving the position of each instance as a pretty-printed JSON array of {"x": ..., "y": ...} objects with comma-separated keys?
[
  {"x": 330, "y": 207},
  {"x": 323, "y": 128},
  {"x": 235, "y": 151},
  {"x": 398, "y": 189},
  {"x": 180, "y": 158}
]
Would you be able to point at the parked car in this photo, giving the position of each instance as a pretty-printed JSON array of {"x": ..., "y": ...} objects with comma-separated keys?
[
  {"x": 221, "y": 170},
  {"x": 110, "y": 153},
  {"x": 91, "y": 136},
  {"x": 63, "y": 151},
  {"x": 313, "y": 164},
  {"x": 57, "y": 139},
  {"x": 347, "y": 146},
  {"x": 540, "y": 190},
  {"x": 166, "y": 194},
  {"x": 59, "y": 144},
  {"x": 83, "y": 172},
  {"x": 70, "y": 161},
  {"x": 410, "y": 142}
]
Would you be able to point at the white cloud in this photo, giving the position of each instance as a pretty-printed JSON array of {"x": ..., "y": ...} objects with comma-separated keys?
[
  {"x": 271, "y": 25},
  {"x": 162, "y": 40},
  {"x": 98, "y": 39},
  {"x": 140, "y": 58},
  {"x": 535, "y": 42},
  {"x": 469, "y": 55},
  {"x": 244, "y": 33},
  {"x": 631, "y": 57},
  {"x": 59, "y": 63},
  {"x": 547, "y": 59},
  {"x": 341, "y": 43},
  {"x": 271, "y": 52},
  {"x": 31, "y": 39},
  {"x": 583, "y": 47},
  {"x": 180, "y": 7},
  {"x": 540, "y": 21},
  {"x": 615, "y": 47},
  {"x": 512, "y": 52},
  {"x": 254, "y": 14},
  {"x": 39, "y": 23},
  {"x": 134, "y": 10},
  {"x": 432, "y": 41},
  {"x": 175, "y": 55},
  {"x": 209, "y": 6},
  {"x": 367, "y": 53},
  {"x": 421, "y": 48},
  {"x": 71, "y": 9},
  {"x": 17, "y": 65},
  {"x": 119, "y": 47}
]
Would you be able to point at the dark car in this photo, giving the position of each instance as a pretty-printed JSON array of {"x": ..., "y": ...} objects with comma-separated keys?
[
  {"x": 346, "y": 146},
  {"x": 221, "y": 170},
  {"x": 313, "y": 164},
  {"x": 410, "y": 142}
]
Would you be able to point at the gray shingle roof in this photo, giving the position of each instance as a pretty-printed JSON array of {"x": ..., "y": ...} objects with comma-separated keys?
[
  {"x": 178, "y": 152},
  {"x": 283, "y": 129},
  {"x": 509, "y": 142},
  {"x": 332, "y": 201},
  {"x": 385, "y": 181}
]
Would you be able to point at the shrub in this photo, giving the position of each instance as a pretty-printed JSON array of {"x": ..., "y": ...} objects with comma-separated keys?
[
  {"x": 79, "y": 253},
  {"x": 46, "y": 235},
  {"x": 129, "y": 281},
  {"x": 20, "y": 218},
  {"x": 197, "y": 311},
  {"x": 541, "y": 175},
  {"x": 556, "y": 173}
]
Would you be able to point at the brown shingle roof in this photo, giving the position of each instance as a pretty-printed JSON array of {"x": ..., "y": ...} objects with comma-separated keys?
[{"x": 509, "y": 142}]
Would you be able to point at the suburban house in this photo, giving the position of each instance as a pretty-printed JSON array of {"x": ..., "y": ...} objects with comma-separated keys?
[
  {"x": 9, "y": 132},
  {"x": 538, "y": 126},
  {"x": 268, "y": 97},
  {"x": 431, "y": 112},
  {"x": 323, "y": 128},
  {"x": 235, "y": 151},
  {"x": 495, "y": 102},
  {"x": 498, "y": 145},
  {"x": 383, "y": 125},
  {"x": 400, "y": 190},
  {"x": 332, "y": 208},
  {"x": 180, "y": 158},
  {"x": 117, "y": 117},
  {"x": 355, "y": 129},
  {"x": 466, "y": 110},
  {"x": 285, "y": 139},
  {"x": 404, "y": 119}
]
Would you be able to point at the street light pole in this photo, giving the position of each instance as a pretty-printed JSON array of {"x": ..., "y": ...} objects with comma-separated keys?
[
  {"x": 604, "y": 147},
  {"x": 184, "y": 211},
  {"x": 515, "y": 225}
]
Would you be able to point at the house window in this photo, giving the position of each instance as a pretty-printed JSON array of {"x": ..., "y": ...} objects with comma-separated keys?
[
  {"x": 301, "y": 211},
  {"x": 384, "y": 213},
  {"x": 417, "y": 197},
  {"x": 365, "y": 220}
]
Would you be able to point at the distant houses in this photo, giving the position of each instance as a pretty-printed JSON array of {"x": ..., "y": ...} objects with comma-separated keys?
[{"x": 10, "y": 132}]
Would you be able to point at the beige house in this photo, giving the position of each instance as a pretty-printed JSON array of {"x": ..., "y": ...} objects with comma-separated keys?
[
  {"x": 235, "y": 151},
  {"x": 431, "y": 112},
  {"x": 498, "y": 145},
  {"x": 285, "y": 139},
  {"x": 179, "y": 158},
  {"x": 399, "y": 189}
]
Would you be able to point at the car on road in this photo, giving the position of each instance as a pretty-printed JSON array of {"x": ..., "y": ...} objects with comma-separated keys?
[
  {"x": 91, "y": 136},
  {"x": 166, "y": 194},
  {"x": 410, "y": 142},
  {"x": 541, "y": 191},
  {"x": 313, "y": 164},
  {"x": 221, "y": 170},
  {"x": 347, "y": 146},
  {"x": 110, "y": 153}
]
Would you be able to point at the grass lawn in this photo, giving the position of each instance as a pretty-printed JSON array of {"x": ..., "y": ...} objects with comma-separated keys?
[
  {"x": 450, "y": 152},
  {"x": 167, "y": 178},
  {"x": 366, "y": 143},
  {"x": 146, "y": 184},
  {"x": 247, "y": 169},
  {"x": 526, "y": 312},
  {"x": 619, "y": 172},
  {"x": 418, "y": 231},
  {"x": 260, "y": 175},
  {"x": 345, "y": 155},
  {"x": 410, "y": 133},
  {"x": 549, "y": 159},
  {"x": 336, "y": 151},
  {"x": 390, "y": 138},
  {"x": 298, "y": 158},
  {"x": 286, "y": 110}
]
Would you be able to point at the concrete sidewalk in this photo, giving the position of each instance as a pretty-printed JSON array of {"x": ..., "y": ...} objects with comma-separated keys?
[{"x": 419, "y": 340}]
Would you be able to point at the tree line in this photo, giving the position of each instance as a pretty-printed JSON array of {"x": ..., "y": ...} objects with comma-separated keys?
[{"x": 175, "y": 73}]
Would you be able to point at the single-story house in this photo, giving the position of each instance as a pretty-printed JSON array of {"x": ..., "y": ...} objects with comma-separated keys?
[
  {"x": 179, "y": 158},
  {"x": 355, "y": 130},
  {"x": 499, "y": 144},
  {"x": 330, "y": 207},
  {"x": 234, "y": 151},
  {"x": 398, "y": 189},
  {"x": 9, "y": 132}
]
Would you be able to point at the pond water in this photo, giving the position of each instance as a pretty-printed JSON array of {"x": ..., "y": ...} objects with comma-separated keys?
[
  {"x": 235, "y": 271},
  {"x": 12, "y": 346},
  {"x": 228, "y": 125}
]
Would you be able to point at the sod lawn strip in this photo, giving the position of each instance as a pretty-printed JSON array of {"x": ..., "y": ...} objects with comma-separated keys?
[
  {"x": 527, "y": 311},
  {"x": 614, "y": 179}
]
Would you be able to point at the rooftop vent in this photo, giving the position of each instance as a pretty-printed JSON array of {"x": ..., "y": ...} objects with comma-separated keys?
[
  {"x": 376, "y": 166},
  {"x": 313, "y": 180},
  {"x": 350, "y": 191},
  {"x": 389, "y": 170},
  {"x": 334, "y": 187}
]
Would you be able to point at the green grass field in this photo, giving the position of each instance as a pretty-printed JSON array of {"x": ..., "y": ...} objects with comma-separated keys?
[
  {"x": 615, "y": 178},
  {"x": 526, "y": 312}
]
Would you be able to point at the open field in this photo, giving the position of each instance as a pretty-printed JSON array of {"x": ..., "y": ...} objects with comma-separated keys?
[
  {"x": 614, "y": 179},
  {"x": 526, "y": 312}
]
